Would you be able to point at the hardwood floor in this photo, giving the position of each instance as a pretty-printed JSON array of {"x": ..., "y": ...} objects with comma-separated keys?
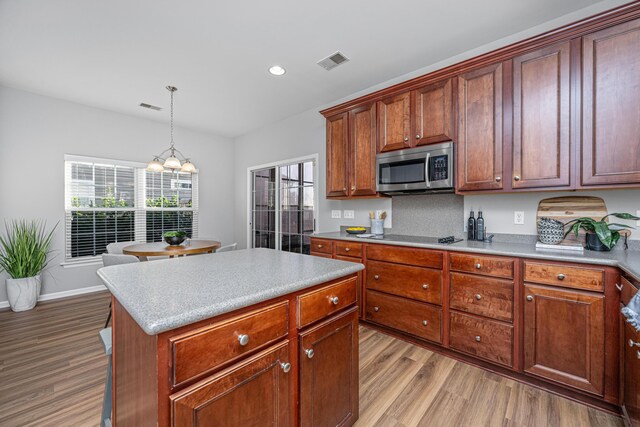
[{"x": 52, "y": 370}]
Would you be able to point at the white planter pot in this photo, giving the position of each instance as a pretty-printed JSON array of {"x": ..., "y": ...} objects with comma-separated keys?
[{"x": 23, "y": 293}]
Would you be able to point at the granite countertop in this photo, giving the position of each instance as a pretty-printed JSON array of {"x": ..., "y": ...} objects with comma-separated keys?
[
  {"x": 166, "y": 294},
  {"x": 628, "y": 261}
]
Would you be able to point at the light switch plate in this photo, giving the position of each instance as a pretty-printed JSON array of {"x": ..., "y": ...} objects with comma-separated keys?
[
  {"x": 518, "y": 217},
  {"x": 336, "y": 214},
  {"x": 349, "y": 214}
]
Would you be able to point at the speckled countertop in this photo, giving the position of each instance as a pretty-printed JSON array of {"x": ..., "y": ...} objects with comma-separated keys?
[
  {"x": 166, "y": 294},
  {"x": 628, "y": 261}
]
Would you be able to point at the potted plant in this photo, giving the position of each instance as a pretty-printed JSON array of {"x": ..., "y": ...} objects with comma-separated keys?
[
  {"x": 600, "y": 235},
  {"x": 23, "y": 255},
  {"x": 174, "y": 238}
]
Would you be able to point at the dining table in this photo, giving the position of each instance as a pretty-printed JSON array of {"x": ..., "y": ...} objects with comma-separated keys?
[{"x": 189, "y": 247}]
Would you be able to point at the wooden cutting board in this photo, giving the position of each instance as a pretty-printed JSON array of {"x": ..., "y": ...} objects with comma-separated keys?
[{"x": 565, "y": 209}]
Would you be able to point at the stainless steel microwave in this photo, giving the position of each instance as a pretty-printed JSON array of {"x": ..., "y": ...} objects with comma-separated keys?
[{"x": 427, "y": 169}]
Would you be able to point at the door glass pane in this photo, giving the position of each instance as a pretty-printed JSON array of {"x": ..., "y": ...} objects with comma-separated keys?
[{"x": 263, "y": 209}]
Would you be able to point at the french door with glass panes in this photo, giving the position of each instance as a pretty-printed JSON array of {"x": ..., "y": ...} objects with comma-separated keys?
[{"x": 283, "y": 206}]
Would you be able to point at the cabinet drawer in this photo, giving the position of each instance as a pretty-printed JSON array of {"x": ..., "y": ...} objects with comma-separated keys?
[
  {"x": 590, "y": 279},
  {"x": 488, "y": 266},
  {"x": 423, "y": 284},
  {"x": 483, "y": 338},
  {"x": 348, "y": 249},
  {"x": 401, "y": 255},
  {"x": 482, "y": 295},
  {"x": 405, "y": 315},
  {"x": 321, "y": 303},
  {"x": 207, "y": 348},
  {"x": 322, "y": 246},
  {"x": 628, "y": 291}
]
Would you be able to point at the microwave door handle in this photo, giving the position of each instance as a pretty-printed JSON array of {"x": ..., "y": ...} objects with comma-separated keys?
[{"x": 426, "y": 170}]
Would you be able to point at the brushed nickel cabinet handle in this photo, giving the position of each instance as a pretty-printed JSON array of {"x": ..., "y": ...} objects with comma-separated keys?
[
  {"x": 406, "y": 138},
  {"x": 478, "y": 338},
  {"x": 561, "y": 276},
  {"x": 286, "y": 367},
  {"x": 243, "y": 339},
  {"x": 529, "y": 298},
  {"x": 425, "y": 323},
  {"x": 334, "y": 300},
  {"x": 619, "y": 287},
  {"x": 344, "y": 189},
  {"x": 347, "y": 249},
  {"x": 376, "y": 309},
  {"x": 498, "y": 178},
  {"x": 353, "y": 188},
  {"x": 516, "y": 178},
  {"x": 319, "y": 246},
  {"x": 425, "y": 286},
  {"x": 478, "y": 266},
  {"x": 375, "y": 276},
  {"x": 638, "y": 354},
  {"x": 309, "y": 352},
  {"x": 633, "y": 343},
  {"x": 418, "y": 136},
  {"x": 478, "y": 297}
]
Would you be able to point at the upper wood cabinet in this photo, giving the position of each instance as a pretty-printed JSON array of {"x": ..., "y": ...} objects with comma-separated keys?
[
  {"x": 394, "y": 123},
  {"x": 362, "y": 151},
  {"x": 479, "y": 145},
  {"x": 337, "y": 156},
  {"x": 541, "y": 118},
  {"x": 432, "y": 113},
  {"x": 611, "y": 105}
]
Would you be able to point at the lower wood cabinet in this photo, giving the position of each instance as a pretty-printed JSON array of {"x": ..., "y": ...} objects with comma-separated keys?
[
  {"x": 329, "y": 372},
  {"x": 564, "y": 336},
  {"x": 631, "y": 375},
  {"x": 483, "y": 338},
  {"x": 252, "y": 393}
]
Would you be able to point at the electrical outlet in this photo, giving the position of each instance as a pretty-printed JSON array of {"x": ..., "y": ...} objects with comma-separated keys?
[
  {"x": 335, "y": 214},
  {"x": 518, "y": 217},
  {"x": 349, "y": 214}
]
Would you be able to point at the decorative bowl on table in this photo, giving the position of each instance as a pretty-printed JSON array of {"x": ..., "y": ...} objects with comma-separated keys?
[
  {"x": 550, "y": 231},
  {"x": 356, "y": 230},
  {"x": 174, "y": 238}
]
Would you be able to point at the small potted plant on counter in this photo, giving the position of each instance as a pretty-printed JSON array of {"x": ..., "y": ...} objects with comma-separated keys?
[
  {"x": 600, "y": 235},
  {"x": 24, "y": 250}
]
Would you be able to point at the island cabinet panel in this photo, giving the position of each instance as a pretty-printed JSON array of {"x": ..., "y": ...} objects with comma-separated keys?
[
  {"x": 423, "y": 284},
  {"x": 405, "y": 255},
  {"x": 564, "y": 336},
  {"x": 337, "y": 156},
  {"x": 362, "y": 151},
  {"x": 483, "y": 338},
  {"x": 631, "y": 374},
  {"x": 200, "y": 351},
  {"x": 479, "y": 144},
  {"x": 433, "y": 113},
  {"x": 254, "y": 392},
  {"x": 541, "y": 118},
  {"x": 394, "y": 122},
  {"x": 323, "y": 302},
  {"x": 611, "y": 106},
  {"x": 329, "y": 372},
  {"x": 485, "y": 296}
]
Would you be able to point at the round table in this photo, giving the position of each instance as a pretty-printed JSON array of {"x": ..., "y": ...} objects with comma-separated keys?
[{"x": 194, "y": 246}]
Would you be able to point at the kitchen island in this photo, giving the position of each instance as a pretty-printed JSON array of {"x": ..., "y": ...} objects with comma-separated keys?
[{"x": 252, "y": 337}]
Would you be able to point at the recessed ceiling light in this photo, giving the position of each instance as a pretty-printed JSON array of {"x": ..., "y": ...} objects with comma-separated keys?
[{"x": 277, "y": 70}]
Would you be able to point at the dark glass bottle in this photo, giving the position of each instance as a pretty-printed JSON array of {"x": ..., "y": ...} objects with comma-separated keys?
[
  {"x": 471, "y": 227},
  {"x": 480, "y": 227}
]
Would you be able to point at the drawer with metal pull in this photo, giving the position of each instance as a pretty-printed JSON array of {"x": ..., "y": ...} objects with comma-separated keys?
[
  {"x": 205, "y": 349},
  {"x": 323, "y": 302},
  {"x": 349, "y": 249},
  {"x": 485, "y": 296},
  {"x": 627, "y": 290},
  {"x": 405, "y": 315},
  {"x": 488, "y": 339},
  {"x": 321, "y": 245},
  {"x": 403, "y": 255},
  {"x": 578, "y": 277},
  {"x": 423, "y": 284},
  {"x": 485, "y": 265}
]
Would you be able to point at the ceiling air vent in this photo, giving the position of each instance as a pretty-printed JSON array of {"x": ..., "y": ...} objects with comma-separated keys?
[
  {"x": 332, "y": 61},
  {"x": 149, "y": 106}
]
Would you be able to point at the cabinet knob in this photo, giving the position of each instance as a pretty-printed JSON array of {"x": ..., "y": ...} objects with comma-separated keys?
[
  {"x": 478, "y": 338},
  {"x": 478, "y": 266},
  {"x": 344, "y": 189},
  {"x": 478, "y": 297},
  {"x": 375, "y": 276},
  {"x": 516, "y": 178},
  {"x": 353, "y": 188},
  {"x": 286, "y": 367},
  {"x": 529, "y": 297},
  {"x": 309, "y": 352},
  {"x": 347, "y": 249},
  {"x": 418, "y": 136},
  {"x": 406, "y": 138},
  {"x": 425, "y": 286},
  {"x": 561, "y": 276},
  {"x": 619, "y": 287},
  {"x": 334, "y": 300},
  {"x": 633, "y": 343},
  {"x": 425, "y": 323},
  {"x": 376, "y": 309},
  {"x": 498, "y": 178},
  {"x": 319, "y": 246},
  {"x": 638, "y": 354},
  {"x": 243, "y": 339}
]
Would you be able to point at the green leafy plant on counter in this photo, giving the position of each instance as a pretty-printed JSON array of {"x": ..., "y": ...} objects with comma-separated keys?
[
  {"x": 174, "y": 234},
  {"x": 608, "y": 233}
]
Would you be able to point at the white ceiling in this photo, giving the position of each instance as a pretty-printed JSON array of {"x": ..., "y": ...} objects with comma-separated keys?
[{"x": 115, "y": 54}]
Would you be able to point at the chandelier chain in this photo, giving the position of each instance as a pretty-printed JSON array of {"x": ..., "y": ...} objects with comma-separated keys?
[{"x": 172, "y": 143}]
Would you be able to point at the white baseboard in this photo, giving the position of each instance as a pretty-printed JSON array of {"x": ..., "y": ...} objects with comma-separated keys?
[{"x": 63, "y": 294}]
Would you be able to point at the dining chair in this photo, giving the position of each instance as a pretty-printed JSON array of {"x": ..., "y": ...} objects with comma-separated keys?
[
  {"x": 116, "y": 248},
  {"x": 227, "y": 248},
  {"x": 115, "y": 259}
]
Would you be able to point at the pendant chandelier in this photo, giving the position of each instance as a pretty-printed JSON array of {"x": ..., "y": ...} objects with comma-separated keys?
[{"x": 176, "y": 160}]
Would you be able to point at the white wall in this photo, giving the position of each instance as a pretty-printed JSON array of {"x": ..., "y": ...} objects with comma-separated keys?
[{"x": 35, "y": 134}]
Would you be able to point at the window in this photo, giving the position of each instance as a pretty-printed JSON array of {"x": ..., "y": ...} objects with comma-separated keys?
[
  {"x": 283, "y": 205},
  {"x": 110, "y": 201}
]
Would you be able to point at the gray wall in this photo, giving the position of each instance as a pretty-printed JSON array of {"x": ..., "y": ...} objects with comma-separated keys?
[{"x": 35, "y": 134}]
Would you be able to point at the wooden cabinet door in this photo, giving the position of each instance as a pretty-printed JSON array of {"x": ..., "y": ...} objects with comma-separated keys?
[
  {"x": 394, "y": 123},
  {"x": 611, "y": 105},
  {"x": 479, "y": 143},
  {"x": 337, "y": 156},
  {"x": 362, "y": 154},
  {"x": 541, "y": 118},
  {"x": 329, "y": 372},
  {"x": 631, "y": 375},
  {"x": 432, "y": 113},
  {"x": 564, "y": 336},
  {"x": 254, "y": 392}
]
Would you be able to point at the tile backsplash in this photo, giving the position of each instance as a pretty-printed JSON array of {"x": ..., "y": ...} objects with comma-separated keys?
[{"x": 435, "y": 215}]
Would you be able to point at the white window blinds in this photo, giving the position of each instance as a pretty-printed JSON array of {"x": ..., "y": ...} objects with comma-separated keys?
[{"x": 110, "y": 201}]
